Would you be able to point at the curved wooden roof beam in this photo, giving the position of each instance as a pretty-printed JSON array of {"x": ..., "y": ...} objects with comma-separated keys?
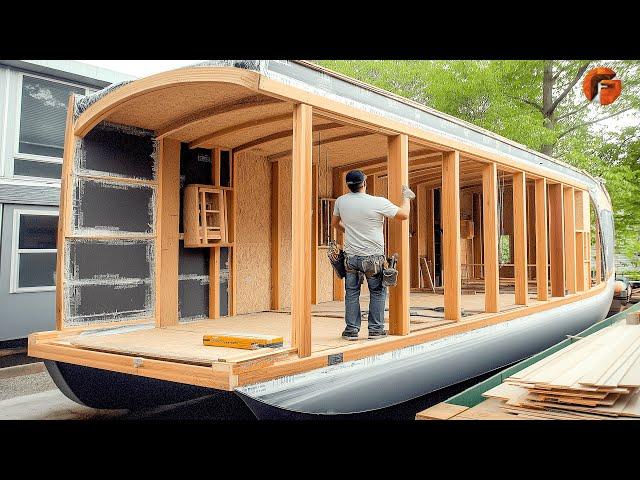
[
  {"x": 252, "y": 101},
  {"x": 276, "y": 156},
  {"x": 283, "y": 134},
  {"x": 114, "y": 100},
  {"x": 211, "y": 137}
]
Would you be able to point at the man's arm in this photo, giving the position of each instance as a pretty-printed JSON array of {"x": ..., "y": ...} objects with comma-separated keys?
[
  {"x": 405, "y": 208},
  {"x": 337, "y": 223}
]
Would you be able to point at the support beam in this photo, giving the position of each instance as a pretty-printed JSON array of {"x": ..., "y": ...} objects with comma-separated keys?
[
  {"x": 324, "y": 141},
  {"x": 169, "y": 186},
  {"x": 278, "y": 135},
  {"x": 398, "y": 167},
  {"x": 451, "y": 235},
  {"x": 275, "y": 236},
  {"x": 214, "y": 137},
  {"x": 421, "y": 225},
  {"x": 301, "y": 229},
  {"x": 569, "y": 239},
  {"x": 520, "y": 238},
  {"x": 338, "y": 189},
  {"x": 314, "y": 234},
  {"x": 214, "y": 282},
  {"x": 583, "y": 241},
  {"x": 556, "y": 239},
  {"x": 490, "y": 237},
  {"x": 542, "y": 257},
  {"x": 430, "y": 248}
]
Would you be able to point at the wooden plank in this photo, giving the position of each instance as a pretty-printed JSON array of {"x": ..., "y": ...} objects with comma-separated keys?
[
  {"x": 214, "y": 137},
  {"x": 314, "y": 234},
  {"x": 520, "y": 238},
  {"x": 441, "y": 411},
  {"x": 421, "y": 224},
  {"x": 542, "y": 256},
  {"x": 232, "y": 218},
  {"x": 569, "y": 239},
  {"x": 168, "y": 241},
  {"x": 430, "y": 233},
  {"x": 65, "y": 209},
  {"x": 556, "y": 239},
  {"x": 583, "y": 243},
  {"x": 215, "y": 165},
  {"x": 301, "y": 229},
  {"x": 451, "y": 235},
  {"x": 477, "y": 239},
  {"x": 398, "y": 166},
  {"x": 338, "y": 190},
  {"x": 275, "y": 236},
  {"x": 490, "y": 237},
  {"x": 214, "y": 282}
]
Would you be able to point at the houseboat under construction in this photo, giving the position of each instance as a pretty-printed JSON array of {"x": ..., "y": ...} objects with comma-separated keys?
[{"x": 198, "y": 201}]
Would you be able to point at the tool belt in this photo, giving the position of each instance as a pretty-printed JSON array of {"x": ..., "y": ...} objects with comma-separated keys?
[
  {"x": 337, "y": 259},
  {"x": 390, "y": 273}
]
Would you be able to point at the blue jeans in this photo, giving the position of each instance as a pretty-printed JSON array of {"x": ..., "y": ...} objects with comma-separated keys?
[{"x": 377, "y": 296}]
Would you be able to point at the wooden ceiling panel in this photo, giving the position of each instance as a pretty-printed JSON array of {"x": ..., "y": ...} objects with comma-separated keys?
[{"x": 160, "y": 107}]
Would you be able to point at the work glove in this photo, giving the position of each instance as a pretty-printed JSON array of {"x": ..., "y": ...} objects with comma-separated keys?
[{"x": 407, "y": 193}]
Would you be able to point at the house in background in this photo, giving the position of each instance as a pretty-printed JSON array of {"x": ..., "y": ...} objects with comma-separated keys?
[{"x": 33, "y": 107}]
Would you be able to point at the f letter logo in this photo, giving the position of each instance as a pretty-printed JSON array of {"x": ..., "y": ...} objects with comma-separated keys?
[{"x": 609, "y": 88}]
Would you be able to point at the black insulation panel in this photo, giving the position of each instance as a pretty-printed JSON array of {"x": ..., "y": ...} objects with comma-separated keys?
[
  {"x": 193, "y": 298},
  {"x": 110, "y": 301},
  {"x": 114, "y": 206},
  {"x": 95, "y": 259},
  {"x": 193, "y": 261},
  {"x": 116, "y": 151}
]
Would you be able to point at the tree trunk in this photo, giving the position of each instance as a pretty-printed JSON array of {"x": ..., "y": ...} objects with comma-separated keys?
[{"x": 547, "y": 102}]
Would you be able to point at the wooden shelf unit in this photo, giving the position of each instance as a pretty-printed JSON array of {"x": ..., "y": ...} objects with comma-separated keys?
[{"x": 205, "y": 216}]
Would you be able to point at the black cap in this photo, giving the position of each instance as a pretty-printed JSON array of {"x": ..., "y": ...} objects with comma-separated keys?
[{"x": 354, "y": 177}]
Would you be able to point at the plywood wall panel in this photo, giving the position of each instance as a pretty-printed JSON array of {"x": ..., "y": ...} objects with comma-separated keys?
[
  {"x": 285, "y": 232},
  {"x": 253, "y": 224}
]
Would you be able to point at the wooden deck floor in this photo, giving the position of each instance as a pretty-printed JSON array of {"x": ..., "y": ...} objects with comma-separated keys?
[{"x": 183, "y": 342}]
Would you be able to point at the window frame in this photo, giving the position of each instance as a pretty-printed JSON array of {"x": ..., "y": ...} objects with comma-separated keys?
[
  {"x": 15, "y": 251},
  {"x": 17, "y": 155}
]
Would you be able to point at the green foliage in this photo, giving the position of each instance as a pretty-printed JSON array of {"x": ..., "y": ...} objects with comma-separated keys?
[{"x": 506, "y": 97}]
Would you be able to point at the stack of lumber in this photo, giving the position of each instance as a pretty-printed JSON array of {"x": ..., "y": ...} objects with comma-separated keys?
[{"x": 597, "y": 376}]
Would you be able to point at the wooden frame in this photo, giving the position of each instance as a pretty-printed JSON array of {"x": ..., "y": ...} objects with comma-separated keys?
[
  {"x": 398, "y": 165},
  {"x": 301, "y": 220},
  {"x": 451, "y": 235},
  {"x": 542, "y": 256},
  {"x": 304, "y": 213},
  {"x": 520, "y": 238},
  {"x": 569, "y": 239}
]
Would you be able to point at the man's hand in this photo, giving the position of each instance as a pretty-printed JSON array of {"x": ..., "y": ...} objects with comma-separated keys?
[{"x": 407, "y": 193}]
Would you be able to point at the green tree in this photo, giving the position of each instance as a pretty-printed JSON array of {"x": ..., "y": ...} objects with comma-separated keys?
[{"x": 537, "y": 103}]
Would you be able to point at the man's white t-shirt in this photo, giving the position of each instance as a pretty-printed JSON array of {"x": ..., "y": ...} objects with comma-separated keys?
[{"x": 363, "y": 218}]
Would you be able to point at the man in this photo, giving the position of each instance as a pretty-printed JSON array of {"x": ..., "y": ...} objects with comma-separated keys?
[{"x": 361, "y": 217}]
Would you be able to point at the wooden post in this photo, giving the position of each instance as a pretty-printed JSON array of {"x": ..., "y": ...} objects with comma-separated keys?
[
  {"x": 569, "y": 239},
  {"x": 169, "y": 183},
  {"x": 430, "y": 240},
  {"x": 556, "y": 239},
  {"x": 233, "y": 257},
  {"x": 542, "y": 257},
  {"x": 421, "y": 225},
  {"x": 301, "y": 218},
  {"x": 583, "y": 243},
  {"x": 398, "y": 168},
  {"x": 598, "y": 252},
  {"x": 490, "y": 237},
  {"x": 314, "y": 234},
  {"x": 477, "y": 237},
  {"x": 451, "y": 235},
  {"x": 338, "y": 189},
  {"x": 520, "y": 238},
  {"x": 275, "y": 236}
]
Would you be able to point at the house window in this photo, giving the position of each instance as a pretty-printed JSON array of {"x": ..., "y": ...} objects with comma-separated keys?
[
  {"x": 33, "y": 262},
  {"x": 43, "y": 113}
]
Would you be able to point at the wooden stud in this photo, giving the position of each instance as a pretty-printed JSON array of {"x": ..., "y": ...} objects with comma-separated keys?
[
  {"x": 64, "y": 212},
  {"x": 531, "y": 229},
  {"x": 490, "y": 237},
  {"x": 339, "y": 187},
  {"x": 314, "y": 234},
  {"x": 569, "y": 239},
  {"x": 542, "y": 257},
  {"x": 301, "y": 229},
  {"x": 421, "y": 224},
  {"x": 275, "y": 236},
  {"x": 398, "y": 167},
  {"x": 451, "y": 235},
  {"x": 430, "y": 248},
  {"x": 215, "y": 165},
  {"x": 556, "y": 239},
  {"x": 213, "y": 137},
  {"x": 214, "y": 282},
  {"x": 168, "y": 242},
  {"x": 231, "y": 233},
  {"x": 477, "y": 238},
  {"x": 583, "y": 242},
  {"x": 520, "y": 238}
]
